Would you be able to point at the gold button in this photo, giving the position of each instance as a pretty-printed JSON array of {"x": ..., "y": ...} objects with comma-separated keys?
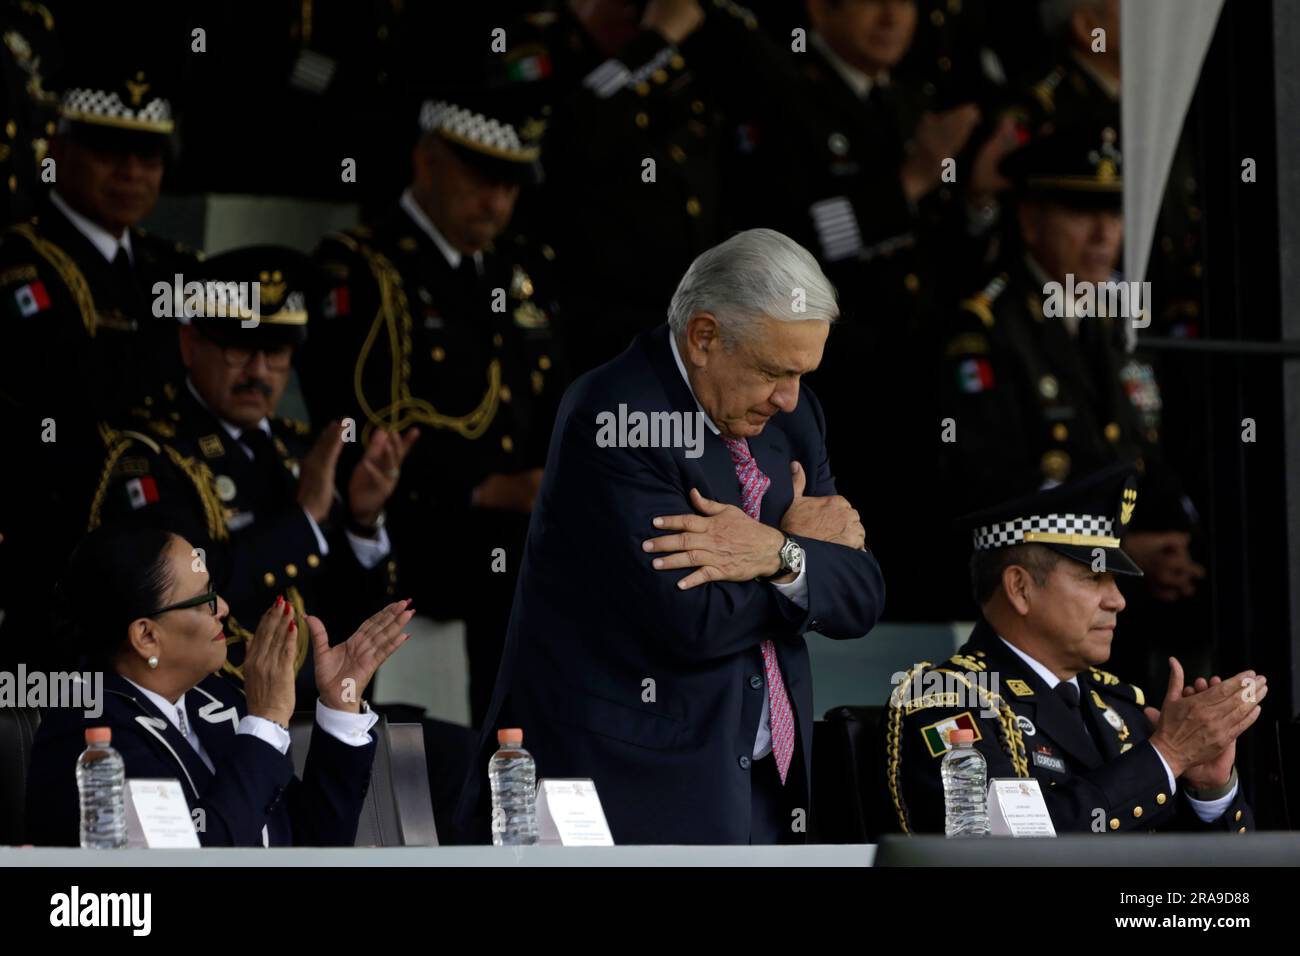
[
  {"x": 505, "y": 393},
  {"x": 693, "y": 206},
  {"x": 1242, "y": 830},
  {"x": 1112, "y": 432},
  {"x": 936, "y": 17},
  {"x": 291, "y": 570},
  {"x": 507, "y": 443},
  {"x": 496, "y": 339},
  {"x": 268, "y": 579},
  {"x": 313, "y": 561},
  {"x": 911, "y": 282},
  {"x": 677, "y": 62},
  {"x": 677, "y": 153},
  {"x": 50, "y": 128},
  {"x": 544, "y": 362},
  {"x": 1060, "y": 432},
  {"x": 642, "y": 120},
  {"x": 1114, "y": 823},
  {"x": 392, "y": 565},
  {"x": 148, "y": 399},
  {"x": 659, "y": 76},
  {"x": 1137, "y": 811},
  {"x": 697, "y": 107},
  {"x": 1237, "y": 817},
  {"x": 1160, "y": 799},
  {"x": 643, "y": 88},
  {"x": 11, "y": 128},
  {"x": 438, "y": 354}
]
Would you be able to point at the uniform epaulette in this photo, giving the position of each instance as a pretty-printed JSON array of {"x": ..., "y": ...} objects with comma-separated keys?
[
  {"x": 1115, "y": 685},
  {"x": 981, "y": 304},
  {"x": 42, "y": 11},
  {"x": 294, "y": 425},
  {"x": 1045, "y": 89}
]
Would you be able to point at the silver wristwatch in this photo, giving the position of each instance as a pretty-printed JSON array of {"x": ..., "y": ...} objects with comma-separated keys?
[{"x": 791, "y": 555}]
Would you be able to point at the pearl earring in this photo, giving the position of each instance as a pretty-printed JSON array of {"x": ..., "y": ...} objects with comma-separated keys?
[{"x": 153, "y": 662}]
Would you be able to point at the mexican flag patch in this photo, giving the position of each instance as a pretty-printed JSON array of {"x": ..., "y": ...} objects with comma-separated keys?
[
  {"x": 974, "y": 375},
  {"x": 31, "y": 298},
  {"x": 140, "y": 492},
  {"x": 338, "y": 302},
  {"x": 936, "y": 734}
]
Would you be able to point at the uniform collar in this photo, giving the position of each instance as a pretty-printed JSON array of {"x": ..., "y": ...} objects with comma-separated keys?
[
  {"x": 854, "y": 78},
  {"x": 175, "y": 713},
  {"x": 99, "y": 237},
  {"x": 421, "y": 219},
  {"x": 1045, "y": 673},
  {"x": 681, "y": 367}
]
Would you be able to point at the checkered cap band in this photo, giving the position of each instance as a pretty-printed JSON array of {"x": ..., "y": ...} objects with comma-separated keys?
[
  {"x": 1008, "y": 533},
  {"x": 475, "y": 130},
  {"x": 89, "y": 105}
]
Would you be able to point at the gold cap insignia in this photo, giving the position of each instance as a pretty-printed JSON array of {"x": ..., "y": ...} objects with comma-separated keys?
[
  {"x": 137, "y": 88},
  {"x": 1127, "y": 504}
]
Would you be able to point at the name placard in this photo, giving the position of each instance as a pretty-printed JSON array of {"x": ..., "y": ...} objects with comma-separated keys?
[
  {"x": 569, "y": 814},
  {"x": 1017, "y": 809},
  {"x": 158, "y": 816}
]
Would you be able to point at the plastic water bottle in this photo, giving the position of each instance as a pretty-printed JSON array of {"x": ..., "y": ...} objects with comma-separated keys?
[
  {"x": 101, "y": 779},
  {"x": 513, "y": 776},
  {"x": 965, "y": 787}
]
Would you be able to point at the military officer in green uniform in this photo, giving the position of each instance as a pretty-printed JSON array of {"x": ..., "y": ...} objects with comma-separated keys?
[
  {"x": 1039, "y": 386},
  {"x": 441, "y": 318},
  {"x": 1029, "y": 684},
  {"x": 81, "y": 330},
  {"x": 208, "y": 459}
]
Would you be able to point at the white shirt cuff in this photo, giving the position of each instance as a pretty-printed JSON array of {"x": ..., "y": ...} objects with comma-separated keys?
[
  {"x": 1211, "y": 810},
  {"x": 351, "y": 729},
  {"x": 1173, "y": 784},
  {"x": 797, "y": 590},
  {"x": 263, "y": 729},
  {"x": 321, "y": 544},
  {"x": 370, "y": 551}
]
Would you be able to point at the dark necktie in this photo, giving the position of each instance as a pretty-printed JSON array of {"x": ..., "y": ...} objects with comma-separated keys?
[
  {"x": 1070, "y": 694},
  {"x": 267, "y": 462},
  {"x": 125, "y": 280}
]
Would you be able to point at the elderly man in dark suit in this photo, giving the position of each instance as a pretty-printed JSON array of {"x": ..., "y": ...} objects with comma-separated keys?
[{"x": 687, "y": 536}]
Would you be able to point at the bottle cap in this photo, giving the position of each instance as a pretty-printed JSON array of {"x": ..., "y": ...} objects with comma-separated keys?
[
  {"x": 510, "y": 735},
  {"x": 962, "y": 736},
  {"x": 99, "y": 735}
]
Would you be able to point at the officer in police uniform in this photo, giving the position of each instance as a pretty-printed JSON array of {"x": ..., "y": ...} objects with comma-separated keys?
[
  {"x": 207, "y": 458},
  {"x": 79, "y": 325},
  {"x": 440, "y": 317},
  {"x": 1029, "y": 684}
]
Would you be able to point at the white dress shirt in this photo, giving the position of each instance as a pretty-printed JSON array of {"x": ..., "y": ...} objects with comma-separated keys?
[
  {"x": 99, "y": 237},
  {"x": 1207, "y": 810},
  {"x": 796, "y": 590},
  {"x": 369, "y": 551},
  {"x": 449, "y": 252}
]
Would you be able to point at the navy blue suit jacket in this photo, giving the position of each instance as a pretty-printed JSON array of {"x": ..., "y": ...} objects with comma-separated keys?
[
  {"x": 615, "y": 674},
  {"x": 253, "y": 784}
]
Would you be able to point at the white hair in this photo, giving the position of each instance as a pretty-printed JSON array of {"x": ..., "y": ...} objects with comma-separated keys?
[{"x": 754, "y": 274}]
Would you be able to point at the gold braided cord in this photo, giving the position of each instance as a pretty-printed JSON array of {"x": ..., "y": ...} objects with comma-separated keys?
[
  {"x": 68, "y": 271},
  {"x": 1013, "y": 742},
  {"x": 393, "y": 317},
  {"x": 893, "y": 744},
  {"x": 117, "y": 446},
  {"x": 205, "y": 483}
]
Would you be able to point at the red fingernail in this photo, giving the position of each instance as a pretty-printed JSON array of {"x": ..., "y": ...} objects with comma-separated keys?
[
  {"x": 278, "y": 600},
  {"x": 293, "y": 625}
]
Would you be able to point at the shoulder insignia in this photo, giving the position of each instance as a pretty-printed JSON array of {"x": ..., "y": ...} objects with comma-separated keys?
[
  {"x": 211, "y": 446},
  {"x": 1103, "y": 677},
  {"x": 16, "y": 274},
  {"x": 132, "y": 466},
  {"x": 1138, "y": 697},
  {"x": 1045, "y": 89},
  {"x": 936, "y": 734},
  {"x": 981, "y": 303},
  {"x": 295, "y": 426},
  {"x": 143, "y": 439},
  {"x": 1019, "y": 687},
  {"x": 966, "y": 662},
  {"x": 161, "y": 428}
]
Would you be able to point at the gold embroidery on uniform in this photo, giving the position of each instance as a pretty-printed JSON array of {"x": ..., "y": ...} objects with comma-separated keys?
[{"x": 68, "y": 271}]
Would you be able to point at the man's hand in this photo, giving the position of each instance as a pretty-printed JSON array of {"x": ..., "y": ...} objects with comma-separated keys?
[
  {"x": 1193, "y": 731},
  {"x": 830, "y": 519},
  {"x": 316, "y": 473},
  {"x": 356, "y": 659},
  {"x": 938, "y": 136},
  {"x": 1216, "y": 773},
  {"x": 375, "y": 477},
  {"x": 516, "y": 492},
  {"x": 985, "y": 179},
  {"x": 722, "y": 543},
  {"x": 1166, "y": 559}
]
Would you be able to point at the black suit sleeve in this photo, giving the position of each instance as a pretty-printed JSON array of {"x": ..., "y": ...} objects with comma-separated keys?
[{"x": 325, "y": 805}]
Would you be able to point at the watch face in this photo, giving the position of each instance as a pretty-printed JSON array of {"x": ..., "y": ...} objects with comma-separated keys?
[{"x": 792, "y": 556}]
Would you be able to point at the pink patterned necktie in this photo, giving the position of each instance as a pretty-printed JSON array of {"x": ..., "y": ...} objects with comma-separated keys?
[{"x": 753, "y": 485}]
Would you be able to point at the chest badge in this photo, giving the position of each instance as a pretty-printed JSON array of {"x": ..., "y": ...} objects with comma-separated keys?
[
  {"x": 211, "y": 446},
  {"x": 1026, "y": 725},
  {"x": 1048, "y": 387},
  {"x": 226, "y": 488},
  {"x": 1019, "y": 687},
  {"x": 838, "y": 144}
]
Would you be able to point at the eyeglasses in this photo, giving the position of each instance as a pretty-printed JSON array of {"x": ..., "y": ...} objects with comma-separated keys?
[
  {"x": 210, "y": 599},
  {"x": 278, "y": 357}
]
